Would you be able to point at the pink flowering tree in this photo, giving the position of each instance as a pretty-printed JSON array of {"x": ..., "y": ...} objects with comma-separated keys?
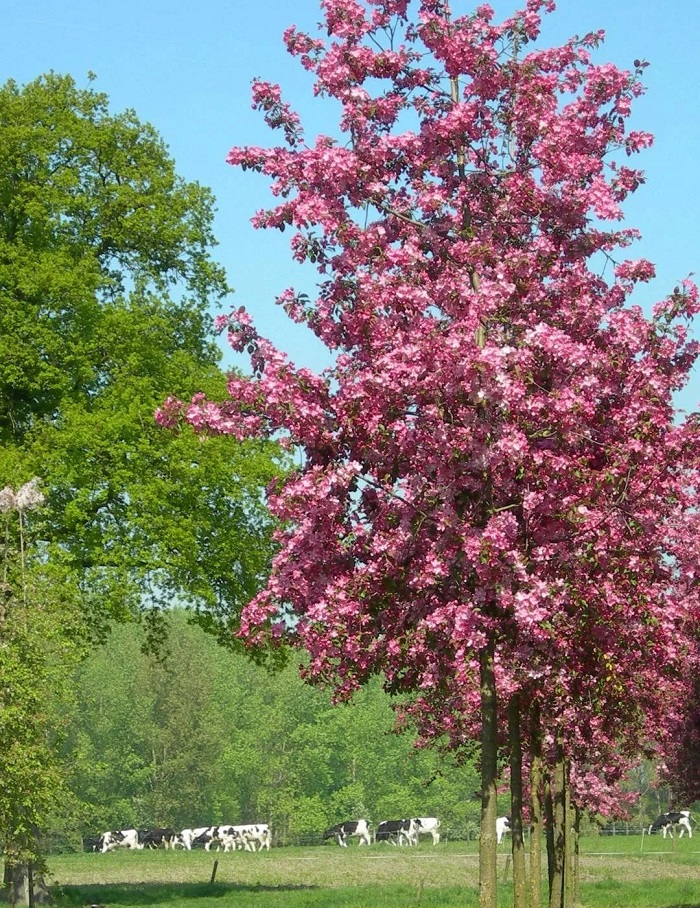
[
  {"x": 679, "y": 747},
  {"x": 494, "y": 488}
]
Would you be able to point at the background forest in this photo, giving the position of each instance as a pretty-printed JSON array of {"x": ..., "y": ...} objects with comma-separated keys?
[{"x": 202, "y": 735}]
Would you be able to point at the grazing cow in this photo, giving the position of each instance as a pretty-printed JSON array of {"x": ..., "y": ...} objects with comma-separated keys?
[
  {"x": 92, "y": 843},
  {"x": 342, "y": 831},
  {"x": 119, "y": 838},
  {"x": 154, "y": 838},
  {"x": 249, "y": 837},
  {"x": 427, "y": 826},
  {"x": 398, "y": 832},
  {"x": 502, "y": 827},
  {"x": 667, "y": 821}
]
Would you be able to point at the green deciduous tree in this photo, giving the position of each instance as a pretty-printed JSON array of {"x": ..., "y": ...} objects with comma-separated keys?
[
  {"x": 106, "y": 288},
  {"x": 41, "y": 640},
  {"x": 107, "y": 284}
]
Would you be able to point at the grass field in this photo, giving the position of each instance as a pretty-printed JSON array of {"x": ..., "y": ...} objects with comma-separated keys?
[{"x": 616, "y": 872}]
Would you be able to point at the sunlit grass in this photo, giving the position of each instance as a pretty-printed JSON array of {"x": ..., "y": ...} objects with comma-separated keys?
[{"x": 616, "y": 872}]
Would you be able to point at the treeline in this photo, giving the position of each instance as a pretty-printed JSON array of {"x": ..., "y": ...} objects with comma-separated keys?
[{"x": 202, "y": 736}]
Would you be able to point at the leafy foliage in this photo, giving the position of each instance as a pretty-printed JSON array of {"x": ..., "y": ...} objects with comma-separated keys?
[
  {"x": 205, "y": 736},
  {"x": 106, "y": 289},
  {"x": 106, "y": 285},
  {"x": 493, "y": 465}
]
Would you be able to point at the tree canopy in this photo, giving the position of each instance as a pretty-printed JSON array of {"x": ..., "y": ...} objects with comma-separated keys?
[
  {"x": 107, "y": 286},
  {"x": 496, "y": 495}
]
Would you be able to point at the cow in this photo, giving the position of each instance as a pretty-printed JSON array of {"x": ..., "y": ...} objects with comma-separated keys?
[
  {"x": 92, "y": 843},
  {"x": 427, "y": 826},
  {"x": 398, "y": 832},
  {"x": 502, "y": 827},
  {"x": 119, "y": 838},
  {"x": 250, "y": 837},
  {"x": 153, "y": 838},
  {"x": 197, "y": 835},
  {"x": 667, "y": 821},
  {"x": 342, "y": 831}
]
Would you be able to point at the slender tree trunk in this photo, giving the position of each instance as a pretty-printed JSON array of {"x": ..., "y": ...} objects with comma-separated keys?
[
  {"x": 24, "y": 879},
  {"x": 570, "y": 879},
  {"x": 489, "y": 775},
  {"x": 535, "y": 807},
  {"x": 520, "y": 890},
  {"x": 28, "y": 886},
  {"x": 557, "y": 894},
  {"x": 576, "y": 890},
  {"x": 549, "y": 829}
]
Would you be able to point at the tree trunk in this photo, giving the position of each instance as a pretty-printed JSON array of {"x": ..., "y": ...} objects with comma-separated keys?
[
  {"x": 569, "y": 879},
  {"x": 549, "y": 829},
  {"x": 489, "y": 773},
  {"x": 535, "y": 807},
  {"x": 576, "y": 891},
  {"x": 24, "y": 869},
  {"x": 24, "y": 885},
  {"x": 558, "y": 887},
  {"x": 520, "y": 890}
]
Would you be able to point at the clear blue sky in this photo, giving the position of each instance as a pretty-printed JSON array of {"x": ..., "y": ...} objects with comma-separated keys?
[{"x": 186, "y": 68}]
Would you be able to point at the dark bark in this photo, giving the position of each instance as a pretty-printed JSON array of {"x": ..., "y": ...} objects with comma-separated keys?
[
  {"x": 489, "y": 775},
  {"x": 520, "y": 890},
  {"x": 549, "y": 828},
  {"x": 536, "y": 828},
  {"x": 575, "y": 888},
  {"x": 558, "y": 887}
]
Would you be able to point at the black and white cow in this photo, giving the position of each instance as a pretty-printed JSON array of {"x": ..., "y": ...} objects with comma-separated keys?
[
  {"x": 154, "y": 838},
  {"x": 427, "y": 826},
  {"x": 92, "y": 843},
  {"x": 667, "y": 821},
  {"x": 119, "y": 838},
  {"x": 250, "y": 837},
  {"x": 199, "y": 835},
  {"x": 342, "y": 831},
  {"x": 502, "y": 827},
  {"x": 398, "y": 832}
]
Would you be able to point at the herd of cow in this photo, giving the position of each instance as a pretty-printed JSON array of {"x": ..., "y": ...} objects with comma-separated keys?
[
  {"x": 397, "y": 832},
  {"x": 679, "y": 820},
  {"x": 250, "y": 837},
  {"x": 256, "y": 836}
]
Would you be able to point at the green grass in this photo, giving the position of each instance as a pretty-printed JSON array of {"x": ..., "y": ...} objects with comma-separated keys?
[
  {"x": 222, "y": 896},
  {"x": 615, "y": 873}
]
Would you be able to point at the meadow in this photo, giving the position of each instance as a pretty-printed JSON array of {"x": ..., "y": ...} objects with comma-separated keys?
[{"x": 616, "y": 872}]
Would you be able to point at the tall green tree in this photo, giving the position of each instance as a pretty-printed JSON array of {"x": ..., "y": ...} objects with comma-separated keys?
[
  {"x": 106, "y": 289},
  {"x": 146, "y": 741},
  {"x": 107, "y": 285}
]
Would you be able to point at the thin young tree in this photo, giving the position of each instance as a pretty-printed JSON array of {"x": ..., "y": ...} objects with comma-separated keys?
[{"x": 494, "y": 486}]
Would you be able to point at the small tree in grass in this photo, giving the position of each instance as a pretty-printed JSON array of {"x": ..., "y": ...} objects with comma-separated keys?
[
  {"x": 42, "y": 638},
  {"x": 494, "y": 489}
]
